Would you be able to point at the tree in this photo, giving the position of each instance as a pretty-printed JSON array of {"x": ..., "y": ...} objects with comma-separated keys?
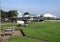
[
  {"x": 3, "y": 14},
  {"x": 26, "y": 13},
  {"x": 12, "y": 13}
]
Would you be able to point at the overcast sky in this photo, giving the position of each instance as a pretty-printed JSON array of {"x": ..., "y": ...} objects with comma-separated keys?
[{"x": 32, "y": 6}]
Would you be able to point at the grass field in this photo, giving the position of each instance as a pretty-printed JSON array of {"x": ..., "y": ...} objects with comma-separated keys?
[
  {"x": 22, "y": 39},
  {"x": 49, "y": 31},
  {"x": 45, "y": 31}
]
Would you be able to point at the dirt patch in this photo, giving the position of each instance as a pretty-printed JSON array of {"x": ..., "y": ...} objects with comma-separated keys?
[{"x": 17, "y": 33}]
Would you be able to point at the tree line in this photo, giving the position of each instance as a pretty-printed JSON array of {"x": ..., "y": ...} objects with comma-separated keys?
[
  {"x": 12, "y": 13},
  {"x": 8, "y": 14}
]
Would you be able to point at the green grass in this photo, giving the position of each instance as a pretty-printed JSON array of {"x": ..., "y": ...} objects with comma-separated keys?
[
  {"x": 49, "y": 31},
  {"x": 22, "y": 39},
  {"x": 7, "y": 25}
]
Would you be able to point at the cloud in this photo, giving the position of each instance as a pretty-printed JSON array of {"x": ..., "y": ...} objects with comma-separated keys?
[
  {"x": 19, "y": 14},
  {"x": 49, "y": 15}
]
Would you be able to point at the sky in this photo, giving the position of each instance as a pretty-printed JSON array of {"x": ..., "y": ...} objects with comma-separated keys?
[{"x": 32, "y": 6}]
